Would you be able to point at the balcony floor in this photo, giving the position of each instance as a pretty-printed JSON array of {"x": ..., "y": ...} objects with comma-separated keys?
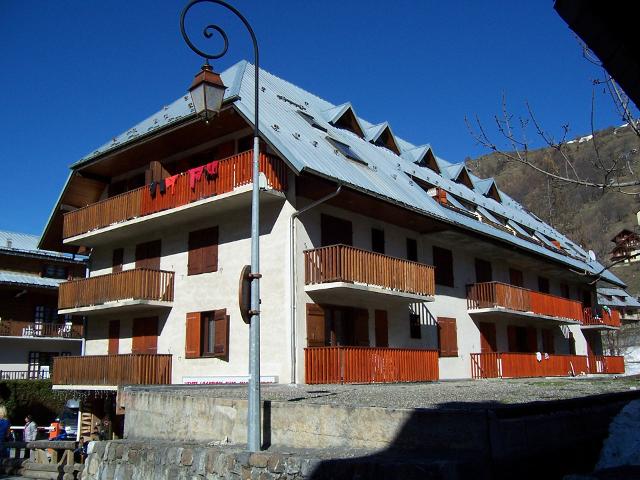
[
  {"x": 238, "y": 198},
  {"x": 346, "y": 291},
  {"x": 508, "y": 314},
  {"x": 118, "y": 306},
  {"x": 599, "y": 327}
]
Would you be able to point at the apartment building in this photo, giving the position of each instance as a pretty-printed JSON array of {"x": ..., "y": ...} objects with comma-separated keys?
[
  {"x": 380, "y": 261},
  {"x": 32, "y": 333}
]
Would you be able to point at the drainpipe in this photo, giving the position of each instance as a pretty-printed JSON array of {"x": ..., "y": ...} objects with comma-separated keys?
[{"x": 292, "y": 273}]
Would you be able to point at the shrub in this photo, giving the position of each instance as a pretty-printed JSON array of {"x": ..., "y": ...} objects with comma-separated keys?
[{"x": 35, "y": 397}]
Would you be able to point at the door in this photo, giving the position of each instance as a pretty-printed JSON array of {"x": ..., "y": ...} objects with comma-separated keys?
[
  {"x": 361, "y": 328},
  {"x": 516, "y": 278},
  {"x": 117, "y": 260},
  {"x": 483, "y": 271},
  {"x": 145, "y": 335},
  {"x": 148, "y": 255},
  {"x": 114, "y": 337},
  {"x": 488, "y": 348},
  {"x": 382, "y": 329},
  {"x": 316, "y": 326},
  {"x": 334, "y": 231}
]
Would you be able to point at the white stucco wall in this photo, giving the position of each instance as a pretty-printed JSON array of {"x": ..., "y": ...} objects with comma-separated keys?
[{"x": 14, "y": 352}]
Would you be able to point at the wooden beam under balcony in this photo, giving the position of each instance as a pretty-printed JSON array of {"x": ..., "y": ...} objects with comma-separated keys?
[
  {"x": 111, "y": 370},
  {"x": 492, "y": 299},
  {"x": 136, "y": 289},
  {"x": 102, "y": 221},
  {"x": 341, "y": 269}
]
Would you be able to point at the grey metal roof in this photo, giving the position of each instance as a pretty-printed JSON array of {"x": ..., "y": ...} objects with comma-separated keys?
[
  {"x": 24, "y": 243},
  {"x": 619, "y": 298},
  {"x": 386, "y": 175},
  {"x": 28, "y": 280}
]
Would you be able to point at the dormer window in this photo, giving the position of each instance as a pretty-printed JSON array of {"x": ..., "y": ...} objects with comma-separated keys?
[
  {"x": 494, "y": 193},
  {"x": 464, "y": 178},
  {"x": 311, "y": 121},
  {"x": 381, "y": 136},
  {"x": 345, "y": 150},
  {"x": 343, "y": 116}
]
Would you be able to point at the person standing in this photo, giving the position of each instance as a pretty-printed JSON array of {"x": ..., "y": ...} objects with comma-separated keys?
[
  {"x": 30, "y": 429},
  {"x": 5, "y": 430}
]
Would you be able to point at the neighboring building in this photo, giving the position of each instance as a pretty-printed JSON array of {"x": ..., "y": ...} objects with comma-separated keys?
[
  {"x": 31, "y": 331},
  {"x": 374, "y": 252},
  {"x": 617, "y": 300},
  {"x": 627, "y": 249}
]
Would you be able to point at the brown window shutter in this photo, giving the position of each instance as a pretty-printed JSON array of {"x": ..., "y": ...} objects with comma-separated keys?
[
  {"x": 193, "y": 344},
  {"x": 532, "y": 339},
  {"x": 447, "y": 337},
  {"x": 512, "y": 337},
  {"x": 145, "y": 335},
  {"x": 210, "y": 250},
  {"x": 316, "y": 327},
  {"x": 195, "y": 261},
  {"x": 117, "y": 260},
  {"x": 382, "y": 329},
  {"x": 221, "y": 334},
  {"x": 361, "y": 329},
  {"x": 114, "y": 337},
  {"x": 151, "y": 340},
  {"x": 148, "y": 255}
]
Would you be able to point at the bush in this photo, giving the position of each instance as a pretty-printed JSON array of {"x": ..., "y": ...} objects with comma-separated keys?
[{"x": 35, "y": 397}]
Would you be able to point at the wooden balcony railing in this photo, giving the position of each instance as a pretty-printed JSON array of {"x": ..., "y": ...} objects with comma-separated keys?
[
  {"x": 341, "y": 263},
  {"x": 24, "y": 375},
  {"x": 134, "y": 369},
  {"x": 369, "y": 365},
  {"x": 137, "y": 284},
  {"x": 501, "y": 295},
  {"x": 609, "y": 318},
  {"x": 233, "y": 172},
  {"x": 521, "y": 365},
  {"x": 14, "y": 328}
]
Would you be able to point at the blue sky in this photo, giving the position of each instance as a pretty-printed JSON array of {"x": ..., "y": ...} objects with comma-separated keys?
[{"x": 75, "y": 73}]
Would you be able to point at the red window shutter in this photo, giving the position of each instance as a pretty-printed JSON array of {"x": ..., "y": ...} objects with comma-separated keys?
[
  {"x": 512, "y": 336},
  {"x": 316, "y": 327},
  {"x": 221, "y": 334},
  {"x": 447, "y": 337},
  {"x": 193, "y": 344}
]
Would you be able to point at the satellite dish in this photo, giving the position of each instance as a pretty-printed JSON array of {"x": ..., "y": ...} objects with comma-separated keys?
[{"x": 592, "y": 255}]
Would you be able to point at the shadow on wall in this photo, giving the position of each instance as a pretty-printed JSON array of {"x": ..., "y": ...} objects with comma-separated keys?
[{"x": 489, "y": 440}]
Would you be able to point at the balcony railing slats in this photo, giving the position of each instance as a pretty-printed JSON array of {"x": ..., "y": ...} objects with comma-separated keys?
[
  {"x": 16, "y": 328},
  {"x": 233, "y": 172},
  {"x": 136, "y": 284},
  {"x": 501, "y": 295},
  {"x": 133, "y": 369},
  {"x": 342, "y": 263},
  {"x": 24, "y": 375},
  {"x": 522, "y": 365},
  {"x": 369, "y": 365}
]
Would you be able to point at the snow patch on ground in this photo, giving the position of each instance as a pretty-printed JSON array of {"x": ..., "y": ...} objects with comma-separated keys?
[
  {"x": 581, "y": 139},
  {"x": 623, "y": 445}
]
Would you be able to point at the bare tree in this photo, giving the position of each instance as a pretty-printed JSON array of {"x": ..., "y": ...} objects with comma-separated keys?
[{"x": 617, "y": 174}]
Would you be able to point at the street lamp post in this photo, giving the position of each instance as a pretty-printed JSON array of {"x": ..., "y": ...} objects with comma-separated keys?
[{"x": 206, "y": 92}]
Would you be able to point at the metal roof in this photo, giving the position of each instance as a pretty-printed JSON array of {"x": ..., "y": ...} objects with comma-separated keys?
[
  {"x": 28, "y": 280},
  {"x": 385, "y": 175},
  {"x": 620, "y": 298},
  {"x": 24, "y": 243}
]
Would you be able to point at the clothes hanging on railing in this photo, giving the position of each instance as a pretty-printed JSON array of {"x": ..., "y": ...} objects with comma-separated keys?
[
  {"x": 152, "y": 189},
  {"x": 170, "y": 182},
  {"x": 211, "y": 169},
  {"x": 163, "y": 187},
  {"x": 194, "y": 175}
]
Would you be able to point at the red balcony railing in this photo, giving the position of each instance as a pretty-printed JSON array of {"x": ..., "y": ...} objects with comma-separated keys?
[
  {"x": 233, "y": 172},
  {"x": 136, "y": 284},
  {"x": 369, "y": 365},
  {"x": 342, "y": 263},
  {"x": 501, "y": 295},
  {"x": 522, "y": 365},
  {"x": 609, "y": 318},
  {"x": 15, "y": 328}
]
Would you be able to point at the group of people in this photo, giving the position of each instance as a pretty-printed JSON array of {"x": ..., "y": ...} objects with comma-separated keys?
[{"x": 30, "y": 428}]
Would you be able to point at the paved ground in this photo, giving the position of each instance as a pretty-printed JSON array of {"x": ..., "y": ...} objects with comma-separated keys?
[{"x": 454, "y": 394}]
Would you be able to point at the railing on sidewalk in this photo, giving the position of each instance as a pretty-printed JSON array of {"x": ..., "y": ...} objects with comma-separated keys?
[
  {"x": 342, "y": 263},
  {"x": 16, "y": 328},
  {"x": 502, "y": 295},
  {"x": 24, "y": 375},
  {"x": 609, "y": 318},
  {"x": 136, "y": 284},
  {"x": 523, "y": 365},
  {"x": 131, "y": 369},
  {"x": 232, "y": 172},
  {"x": 369, "y": 365}
]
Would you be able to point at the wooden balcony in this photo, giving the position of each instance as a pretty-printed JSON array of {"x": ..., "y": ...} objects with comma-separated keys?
[
  {"x": 523, "y": 365},
  {"x": 233, "y": 172},
  {"x": 112, "y": 370},
  {"x": 601, "y": 320},
  {"x": 24, "y": 375},
  {"x": 139, "y": 288},
  {"x": 493, "y": 298},
  {"x": 14, "y": 328},
  {"x": 369, "y": 365},
  {"x": 340, "y": 267}
]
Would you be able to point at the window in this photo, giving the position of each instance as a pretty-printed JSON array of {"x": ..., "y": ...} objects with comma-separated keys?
[
  {"x": 564, "y": 290},
  {"x": 522, "y": 339},
  {"x": 348, "y": 121},
  {"x": 547, "y": 341},
  {"x": 377, "y": 240},
  {"x": 55, "y": 271},
  {"x": 45, "y": 314},
  {"x": 483, "y": 271},
  {"x": 311, "y": 121},
  {"x": 516, "y": 278},
  {"x": 345, "y": 150},
  {"x": 203, "y": 251},
  {"x": 414, "y": 326},
  {"x": 443, "y": 262},
  {"x": 543, "y": 284},
  {"x": 113, "y": 347},
  {"x": 117, "y": 260},
  {"x": 148, "y": 255},
  {"x": 412, "y": 249},
  {"x": 335, "y": 231},
  {"x": 447, "y": 337},
  {"x": 207, "y": 334}
]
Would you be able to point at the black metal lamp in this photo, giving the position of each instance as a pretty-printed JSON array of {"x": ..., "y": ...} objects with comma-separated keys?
[{"x": 207, "y": 92}]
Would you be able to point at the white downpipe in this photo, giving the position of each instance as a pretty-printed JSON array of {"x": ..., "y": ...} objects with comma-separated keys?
[{"x": 292, "y": 274}]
